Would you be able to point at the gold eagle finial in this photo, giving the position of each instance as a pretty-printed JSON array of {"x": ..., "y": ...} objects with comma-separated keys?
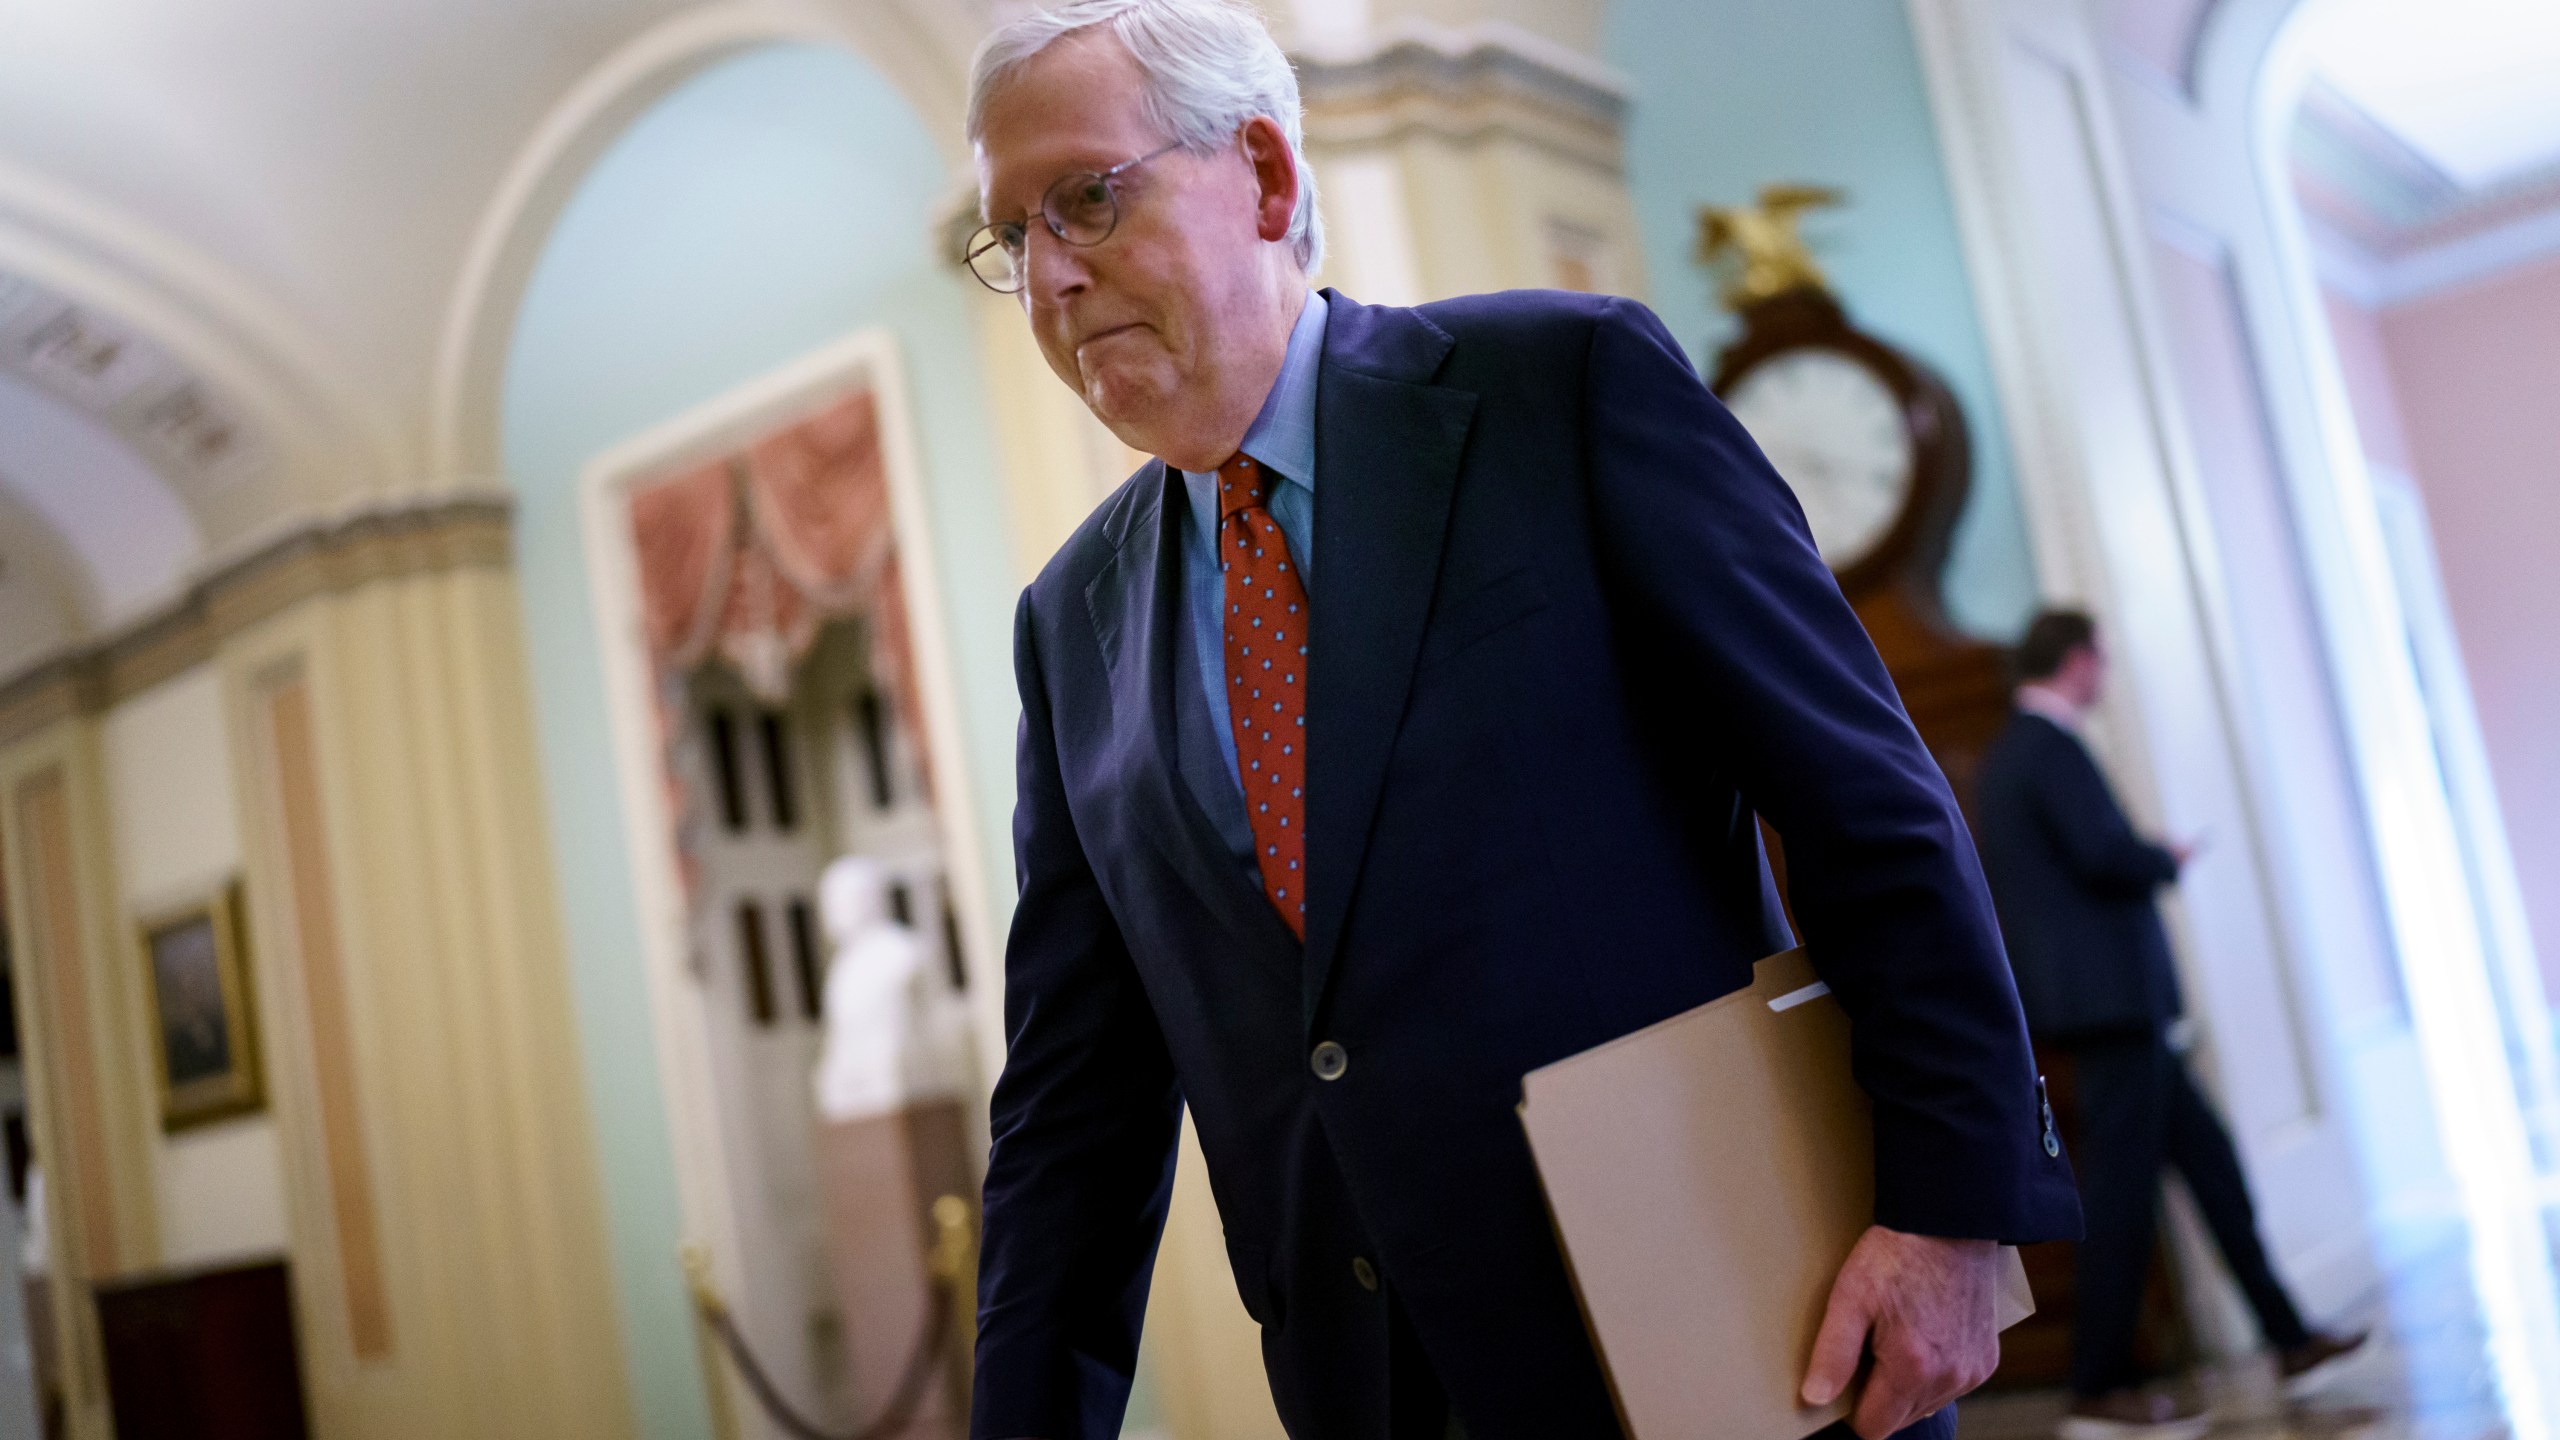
[{"x": 1758, "y": 248}]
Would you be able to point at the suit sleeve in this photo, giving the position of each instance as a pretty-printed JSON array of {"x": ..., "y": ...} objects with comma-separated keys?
[
  {"x": 1085, "y": 1118},
  {"x": 1711, "y": 569},
  {"x": 2089, "y": 831}
]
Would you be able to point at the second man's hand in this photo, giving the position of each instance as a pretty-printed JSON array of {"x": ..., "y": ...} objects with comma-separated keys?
[{"x": 1926, "y": 1307}]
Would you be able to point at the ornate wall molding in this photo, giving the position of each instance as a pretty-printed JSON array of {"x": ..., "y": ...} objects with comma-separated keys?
[
  {"x": 319, "y": 557},
  {"x": 122, "y": 378},
  {"x": 1489, "y": 82}
]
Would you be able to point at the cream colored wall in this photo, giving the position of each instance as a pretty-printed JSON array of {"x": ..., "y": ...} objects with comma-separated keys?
[
  {"x": 1485, "y": 215},
  {"x": 425, "y": 1161},
  {"x": 175, "y": 830},
  {"x": 221, "y": 1194},
  {"x": 442, "y": 1191}
]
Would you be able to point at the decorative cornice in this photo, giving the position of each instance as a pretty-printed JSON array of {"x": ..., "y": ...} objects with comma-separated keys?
[
  {"x": 1465, "y": 88},
  {"x": 322, "y": 557},
  {"x": 2378, "y": 191}
]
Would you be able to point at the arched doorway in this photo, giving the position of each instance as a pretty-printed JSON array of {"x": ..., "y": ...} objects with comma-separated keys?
[{"x": 762, "y": 228}]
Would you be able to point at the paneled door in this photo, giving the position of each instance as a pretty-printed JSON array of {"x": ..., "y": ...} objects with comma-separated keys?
[{"x": 779, "y": 789}]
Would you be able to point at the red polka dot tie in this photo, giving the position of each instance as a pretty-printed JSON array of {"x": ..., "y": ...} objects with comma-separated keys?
[{"x": 1266, "y": 682}]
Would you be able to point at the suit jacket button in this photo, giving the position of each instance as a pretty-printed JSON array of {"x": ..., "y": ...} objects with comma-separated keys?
[
  {"x": 1364, "y": 1272},
  {"x": 1329, "y": 1061}
]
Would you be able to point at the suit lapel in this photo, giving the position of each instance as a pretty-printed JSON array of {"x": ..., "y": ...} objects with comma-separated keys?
[
  {"x": 1388, "y": 444},
  {"x": 1135, "y": 605}
]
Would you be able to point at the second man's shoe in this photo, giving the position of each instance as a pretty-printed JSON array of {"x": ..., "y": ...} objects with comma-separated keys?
[{"x": 2295, "y": 1362}]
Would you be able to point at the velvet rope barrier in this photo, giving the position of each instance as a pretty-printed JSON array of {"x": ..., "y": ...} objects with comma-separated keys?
[{"x": 954, "y": 1256}]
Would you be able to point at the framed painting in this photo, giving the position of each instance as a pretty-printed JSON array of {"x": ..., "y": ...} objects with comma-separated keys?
[{"x": 203, "y": 1034}]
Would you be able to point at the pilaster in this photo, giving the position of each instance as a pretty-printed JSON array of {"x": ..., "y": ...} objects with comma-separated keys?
[
  {"x": 1463, "y": 161},
  {"x": 446, "y": 1210}
]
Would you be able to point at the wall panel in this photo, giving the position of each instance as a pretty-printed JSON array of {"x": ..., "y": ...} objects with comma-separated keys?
[
  {"x": 446, "y": 1208},
  {"x": 91, "y": 1106}
]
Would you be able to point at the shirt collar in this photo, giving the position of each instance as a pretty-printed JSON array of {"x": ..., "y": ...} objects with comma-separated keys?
[
  {"x": 1283, "y": 435},
  {"x": 2042, "y": 701}
]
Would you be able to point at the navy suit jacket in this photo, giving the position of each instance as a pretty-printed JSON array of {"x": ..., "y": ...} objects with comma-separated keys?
[
  {"x": 1570, "y": 636},
  {"x": 2076, "y": 887}
]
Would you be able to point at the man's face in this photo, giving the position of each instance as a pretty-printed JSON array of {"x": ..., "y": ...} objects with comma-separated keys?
[{"x": 1138, "y": 324}]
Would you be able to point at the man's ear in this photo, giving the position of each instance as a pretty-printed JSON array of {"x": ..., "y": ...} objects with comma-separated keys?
[{"x": 1275, "y": 176}]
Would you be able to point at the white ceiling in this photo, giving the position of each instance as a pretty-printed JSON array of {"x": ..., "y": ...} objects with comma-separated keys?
[
  {"x": 332, "y": 155},
  {"x": 2472, "y": 86}
]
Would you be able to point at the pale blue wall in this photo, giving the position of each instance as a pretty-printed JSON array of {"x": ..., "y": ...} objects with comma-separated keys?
[
  {"x": 1732, "y": 94},
  {"x": 770, "y": 206}
]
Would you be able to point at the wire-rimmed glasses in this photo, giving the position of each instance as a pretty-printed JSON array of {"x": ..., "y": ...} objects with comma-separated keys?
[{"x": 1081, "y": 208}]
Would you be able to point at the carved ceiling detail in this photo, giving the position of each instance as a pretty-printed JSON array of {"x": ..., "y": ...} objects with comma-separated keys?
[{"x": 96, "y": 364}]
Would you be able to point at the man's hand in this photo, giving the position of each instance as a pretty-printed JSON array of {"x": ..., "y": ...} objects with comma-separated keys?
[{"x": 1925, "y": 1306}]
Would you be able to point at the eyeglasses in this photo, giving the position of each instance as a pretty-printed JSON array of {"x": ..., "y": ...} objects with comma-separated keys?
[{"x": 1081, "y": 209}]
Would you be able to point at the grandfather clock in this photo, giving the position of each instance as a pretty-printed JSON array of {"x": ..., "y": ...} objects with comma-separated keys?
[{"x": 1875, "y": 447}]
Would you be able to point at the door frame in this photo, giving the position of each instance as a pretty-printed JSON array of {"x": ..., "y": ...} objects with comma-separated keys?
[{"x": 677, "y": 1001}]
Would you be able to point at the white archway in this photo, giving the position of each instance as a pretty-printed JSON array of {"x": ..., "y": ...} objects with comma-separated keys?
[
  {"x": 799, "y": 248},
  {"x": 509, "y": 238}
]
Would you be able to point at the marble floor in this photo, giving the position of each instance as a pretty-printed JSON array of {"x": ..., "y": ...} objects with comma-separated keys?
[{"x": 2425, "y": 1376}]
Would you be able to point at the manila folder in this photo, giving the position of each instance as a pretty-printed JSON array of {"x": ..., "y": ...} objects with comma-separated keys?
[{"x": 1708, "y": 1175}]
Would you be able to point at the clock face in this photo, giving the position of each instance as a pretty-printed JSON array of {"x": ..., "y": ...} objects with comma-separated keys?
[{"x": 1836, "y": 434}]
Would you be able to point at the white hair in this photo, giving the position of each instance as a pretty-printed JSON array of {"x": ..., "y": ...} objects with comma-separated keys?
[{"x": 1208, "y": 66}]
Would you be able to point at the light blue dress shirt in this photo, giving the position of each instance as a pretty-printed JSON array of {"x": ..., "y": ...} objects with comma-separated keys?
[{"x": 1283, "y": 440}]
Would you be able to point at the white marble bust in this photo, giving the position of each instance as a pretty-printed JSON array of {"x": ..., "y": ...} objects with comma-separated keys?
[{"x": 895, "y": 1034}]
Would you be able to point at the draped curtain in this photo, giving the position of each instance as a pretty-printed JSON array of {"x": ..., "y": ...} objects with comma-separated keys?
[{"x": 746, "y": 557}]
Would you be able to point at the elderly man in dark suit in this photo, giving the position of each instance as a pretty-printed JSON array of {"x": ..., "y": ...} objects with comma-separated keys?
[
  {"x": 2077, "y": 890},
  {"x": 1402, "y": 728}
]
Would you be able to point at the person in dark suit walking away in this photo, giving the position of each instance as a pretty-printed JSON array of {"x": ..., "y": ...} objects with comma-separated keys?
[
  {"x": 1403, "y": 727},
  {"x": 2077, "y": 890}
]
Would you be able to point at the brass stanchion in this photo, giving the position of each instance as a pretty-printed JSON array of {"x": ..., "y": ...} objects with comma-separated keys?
[
  {"x": 706, "y": 1341},
  {"x": 951, "y": 1264}
]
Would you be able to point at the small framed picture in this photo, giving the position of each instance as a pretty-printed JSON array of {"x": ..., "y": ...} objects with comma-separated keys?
[{"x": 203, "y": 1030}]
